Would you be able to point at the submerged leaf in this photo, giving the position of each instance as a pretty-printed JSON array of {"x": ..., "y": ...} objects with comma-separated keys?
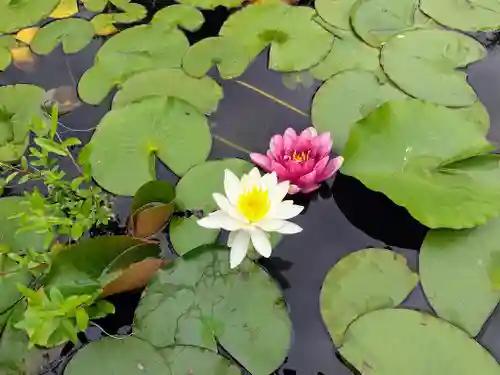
[
  {"x": 399, "y": 150},
  {"x": 15, "y": 15},
  {"x": 386, "y": 342},
  {"x": 65, "y": 97}
]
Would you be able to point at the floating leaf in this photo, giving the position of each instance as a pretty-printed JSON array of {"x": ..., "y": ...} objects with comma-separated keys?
[
  {"x": 196, "y": 297},
  {"x": 9, "y": 207},
  {"x": 386, "y": 342},
  {"x": 155, "y": 191},
  {"x": 66, "y": 8},
  {"x": 348, "y": 54},
  {"x": 103, "y": 24},
  {"x": 477, "y": 15},
  {"x": 227, "y": 54},
  {"x": 7, "y": 42},
  {"x": 289, "y": 29},
  {"x": 202, "y": 93},
  {"x": 399, "y": 150},
  {"x": 150, "y": 219},
  {"x": 335, "y": 12},
  {"x": 131, "y": 51},
  {"x": 178, "y": 15},
  {"x": 186, "y": 234},
  {"x": 65, "y": 97},
  {"x": 106, "y": 356},
  {"x": 95, "y": 5},
  {"x": 74, "y": 34},
  {"x": 375, "y": 21},
  {"x": 23, "y": 58},
  {"x": 26, "y": 35},
  {"x": 171, "y": 130},
  {"x": 364, "y": 281},
  {"x": 346, "y": 98},
  {"x": 212, "y": 4},
  {"x": 15, "y": 15},
  {"x": 433, "y": 75},
  {"x": 456, "y": 268}
]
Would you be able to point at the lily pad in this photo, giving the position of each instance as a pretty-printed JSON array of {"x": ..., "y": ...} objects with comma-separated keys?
[
  {"x": 202, "y": 93},
  {"x": 457, "y": 269},
  {"x": 212, "y": 4},
  {"x": 335, "y": 12},
  {"x": 477, "y": 15},
  {"x": 227, "y": 54},
  {"x": 104, "y": 24},
  {"x": 178, "y": 15},
  {"x": 289, "y": 29},
  {"x": 11, "y": 206},
  {"x": 95, "y": 5},
  {"x": 197, "y": 298},
  {"x": 399, "y": 150},
  {"x": 346, "y": 98},
  {"x": 106, "y": 356},
  {"x": 155, "y": 191},
  {"x": 186, "y": 234},
  {"x": 15, "y": 15},
  {"x": 14, "y": 352},
  {"x": 364, "y": 281},
  {"x": 65, "y": 9},
  {"x": 376, "y": 21},
  {"x": 173, "y": 131},
  {"x": 433, "y": 69},
  {"x": 7, "y": 42},
  {"x": 131, "y": 51},
  {"x": 385, "y": 342},
  {"x": 9, "y": 278}
]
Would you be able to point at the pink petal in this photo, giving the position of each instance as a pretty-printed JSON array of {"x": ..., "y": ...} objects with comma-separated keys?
[
  {"x": 322, "y": 144},
  {"x": 262, "y": 161},
  {"x": 309, "y": 133},
  {"x": 290, "y": 139},
  {"x": 310, "y": 188},
  {"x": 308, "y": 179},
  {"x": 293, "y": 189},
  {"x": 320, "y": 165},
  {"x": 332, "y": 167},
  {"x": 276, "y": 145},
  {"x": 280, "y": 170}
]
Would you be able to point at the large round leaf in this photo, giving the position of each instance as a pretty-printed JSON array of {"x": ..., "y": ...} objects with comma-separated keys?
[
  {"x": 335, "y": 12},
  {"x": 178, "y": 15},
  {"x": 477, "y": 15},
  {"x": 346, "y": 98},
  {"x": 375, "y": 21},
  {"x": 395, "y": 342},
  {"x": 9, "y": 207},
  {"x": 423, "y": 63},
  {"x": 459, "y": 271},
  {"x": 74, "y": 34},
  {"x": 186, "y": 234},
  {"x": 212, "y": 4},
  {"x": 6, "y": 43},
  {"x": 131, "y": 51},
  {"x": 202, "y": 93},
  {"x": 289, "y": 29},
  {"x": 130, "y": 356},
  {"x": 197, "y": 298},
  {"x": 127, "y": 140},
  {"x": 429, "y": 159},
  {"x": 17, "y": 14},
  {"x": 364, "y": 281}
]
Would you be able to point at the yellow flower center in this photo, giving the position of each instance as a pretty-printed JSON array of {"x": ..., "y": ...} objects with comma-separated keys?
[
  {"x": 300, "y": 157},
  {"x": 254, "y": 204}
]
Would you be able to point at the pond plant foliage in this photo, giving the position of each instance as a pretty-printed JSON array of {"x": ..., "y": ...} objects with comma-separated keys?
[{"x": 393, "y": 98}]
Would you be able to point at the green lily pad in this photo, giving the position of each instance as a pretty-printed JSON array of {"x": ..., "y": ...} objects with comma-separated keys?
[
  {"x": 413, "y": 149},
  {"x": 203, "y": 94},
  {"x": 228, "y": 55},
  {"x": 346, "y": 98},
  {"x": 132, "y": 51},
  {"x": 335, "y": 12},
  {"x": 95, "y": 5},
  {"x": 364, "y": 281},
  {"x": 155, "y": 191},
  {"x": 429, "y": 73},
  {"x": 477, "y": 15},
  {"x": 8, "y": 284},
  {"x": 197, "y": 298},
  {"x": 348, "y": 54},
  {"x": 11, "y": 206},
  {"x": 457, "y": 268},
  {"x": 386, "y": 342},
  {"x": 14, "y": 352},
  {"x": 128, "y": 139},
  {"x": 289, "y": 29},
  {"x": 186, "y": 234},
  {"x": 15, "y": 15},
  {"x": 212, "y": 4},
  {"x": 178, "y": 15},
  {"x": 376, "y": 21},
  {"x": 6, "y": 43},
  {"x": 106, "y": 356},
  {"x": 74, "y": 34}
]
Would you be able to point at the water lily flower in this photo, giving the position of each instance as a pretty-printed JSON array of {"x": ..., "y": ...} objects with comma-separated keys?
[
  {"x": 251, "y": 208},
  {"x": 301, "y": 159}
]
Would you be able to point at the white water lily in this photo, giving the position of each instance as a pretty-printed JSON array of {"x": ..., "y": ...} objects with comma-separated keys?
[{"x": 252, "y": 207}]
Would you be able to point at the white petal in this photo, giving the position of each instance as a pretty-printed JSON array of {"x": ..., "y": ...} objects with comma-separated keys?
[
  {"x": 270, "y": 225},
  {"x": 219, "y": 219},
  {"x": 232, "y": 186},
  {"x": 289, "y": 228},
  {"x": 269, "y": 181},
  {"x": 260, "y": 240},
  {"x": 230, "y": 238},
  {"x": 287, "y": 210},
  {"x": 280, "y": 191},
  {"x": 251, "y": 179},
  {"x": 239, "y": 248},
  {"x": 228, "y": 208}
]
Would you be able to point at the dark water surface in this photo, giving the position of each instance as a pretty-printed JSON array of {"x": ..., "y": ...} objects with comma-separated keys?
[{"x": 354, "y": 218}]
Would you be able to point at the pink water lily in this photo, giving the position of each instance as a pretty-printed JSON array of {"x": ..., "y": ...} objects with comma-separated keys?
[{"x": 303, "y": 159}]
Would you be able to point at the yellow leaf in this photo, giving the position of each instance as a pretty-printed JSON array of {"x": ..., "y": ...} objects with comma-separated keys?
[
  {"x": 66, "y": 8},
  {"x": 103, "y": 25},
  {"x": 27, "y": 35},
  {"x": 23, "y": 58}
]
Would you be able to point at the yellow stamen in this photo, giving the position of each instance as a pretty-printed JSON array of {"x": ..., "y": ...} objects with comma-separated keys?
[
  {"x": 300, "y": 157},
  {"x": 254, "y": 204}
]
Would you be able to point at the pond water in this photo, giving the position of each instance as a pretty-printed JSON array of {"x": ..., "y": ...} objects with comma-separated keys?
[{"x": 336, "y": 223}]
